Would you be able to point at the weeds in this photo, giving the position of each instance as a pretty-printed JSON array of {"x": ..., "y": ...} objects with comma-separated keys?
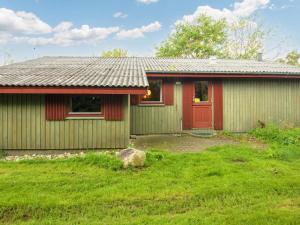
[{"x": 274, "y": 134}]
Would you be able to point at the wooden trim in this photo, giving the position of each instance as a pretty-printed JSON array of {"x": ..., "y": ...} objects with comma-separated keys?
[
  {"x": 222, "y": 75},
  {"x": 135, "y": 99},
  {"x": 201, "y": 103},
  {"x": 151, "y": 103},
  {"x": 218, "y": 105},
  {"x": 64, "y": 90},
  {"x": 187, "y": 103},
  {"x": 100, "y": 115},
  {"x": 168, "y": 91}
]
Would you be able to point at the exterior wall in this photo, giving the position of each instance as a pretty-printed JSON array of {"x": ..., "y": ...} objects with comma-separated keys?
[
  {"x": 23, "y": 126},
  {"x": 151, "y": 119},
  {"x": 247, "y": 101}
]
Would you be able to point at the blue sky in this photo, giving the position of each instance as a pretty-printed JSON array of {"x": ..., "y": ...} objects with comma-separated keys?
[{"x": 32, "y": 28}]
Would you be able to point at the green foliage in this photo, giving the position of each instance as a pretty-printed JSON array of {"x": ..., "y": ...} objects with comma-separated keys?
[
  {"x": 200, "y": 40},
  {"x": 115, "y": 53},
  {"x": 274, "y": 134},
  {"x": 153, "y": 156},
  {"x": 212, "y": 187},
  {"x": 209, "y": 37},
  {"x": 292, "y": 58},
  {"x": 284, "y": 144}
]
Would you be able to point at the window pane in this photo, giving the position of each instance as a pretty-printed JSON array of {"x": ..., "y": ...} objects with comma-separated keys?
[
  {"x": 201, "y": 91},
  {"x": 86, "y": 104},
  {"x": 154, "y": 91}
]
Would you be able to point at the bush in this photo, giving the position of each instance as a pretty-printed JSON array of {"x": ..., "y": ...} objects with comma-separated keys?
[
  {"x": 154, "y": 156},
  {"x": 273, "y": 134}
]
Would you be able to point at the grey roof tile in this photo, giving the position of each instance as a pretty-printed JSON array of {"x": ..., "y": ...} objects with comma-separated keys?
[{"x": 124, "y": 72}]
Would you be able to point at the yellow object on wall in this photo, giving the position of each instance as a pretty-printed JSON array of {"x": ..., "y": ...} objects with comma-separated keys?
[{"x": 197, "y": 100}]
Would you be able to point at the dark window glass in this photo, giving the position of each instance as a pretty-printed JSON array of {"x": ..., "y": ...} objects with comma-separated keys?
[
  {"x": 201, "y": 91},
  {"x": 86, "y": 104},
  {"x": 153, "y": 92}
]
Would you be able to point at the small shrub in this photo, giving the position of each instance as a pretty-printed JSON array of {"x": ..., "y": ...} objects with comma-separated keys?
[
  {"x": 273, "y": 134},
  {"x": 153, "y": 156}
]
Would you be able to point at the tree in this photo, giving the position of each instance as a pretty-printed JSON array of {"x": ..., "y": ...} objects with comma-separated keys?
[
  {"x": 244, "y": 40},
  {"x": 117, "y": 52},
  {"x": 235, "y": 40},
  {"x": 201, "y": 40},
  {"x": 292, "y": 58}
]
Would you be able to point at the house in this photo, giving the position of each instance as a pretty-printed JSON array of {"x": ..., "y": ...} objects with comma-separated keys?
[{"x": 97, "y": 103}]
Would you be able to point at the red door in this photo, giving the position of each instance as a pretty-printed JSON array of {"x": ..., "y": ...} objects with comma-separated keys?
[{"x": 197, "y": 104}]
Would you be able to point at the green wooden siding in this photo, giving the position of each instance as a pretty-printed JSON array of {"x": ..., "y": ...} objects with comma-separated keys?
[
  {"x": 23, "y": 126},
  {"x": 147, "y": 119},
  {"x": 247, "y": 101}
]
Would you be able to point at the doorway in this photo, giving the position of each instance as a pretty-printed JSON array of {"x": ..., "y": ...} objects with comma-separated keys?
[{"x": 197, "y": 104}]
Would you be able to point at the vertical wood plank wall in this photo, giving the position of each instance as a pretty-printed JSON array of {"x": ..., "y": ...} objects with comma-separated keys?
[
  {"x": 247, "y": 101},
  {"x": 147, "y": 119},
  {"x": 23, "y": 126}
]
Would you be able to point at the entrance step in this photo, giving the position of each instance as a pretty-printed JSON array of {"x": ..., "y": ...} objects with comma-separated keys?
[{"x": 203, "y": 133}]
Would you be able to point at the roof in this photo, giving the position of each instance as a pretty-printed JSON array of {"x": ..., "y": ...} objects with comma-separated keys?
[{"x": 125, "y": 72}]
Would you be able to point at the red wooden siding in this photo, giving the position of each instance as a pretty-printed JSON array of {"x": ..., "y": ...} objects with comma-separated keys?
[
  {"x": 135, "y": 99},
  {"x": 218, "y": 105},
  {"x": 168, "y": 91},
  {"x": 56, "y": 107},
  {"x": 187, "y": 102},
  {"x": 113, "y": 107}
]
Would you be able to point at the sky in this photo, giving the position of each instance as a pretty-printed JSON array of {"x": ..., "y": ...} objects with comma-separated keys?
[{"x": 35, "y": 28}]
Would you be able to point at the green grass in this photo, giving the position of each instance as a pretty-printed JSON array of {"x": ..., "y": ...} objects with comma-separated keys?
[{"x": 223, "y": 185}]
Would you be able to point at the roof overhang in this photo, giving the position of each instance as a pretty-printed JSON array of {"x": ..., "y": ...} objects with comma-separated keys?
[
  {"x": 223, "y": 75},
  {"x": 72, "y": 90}
]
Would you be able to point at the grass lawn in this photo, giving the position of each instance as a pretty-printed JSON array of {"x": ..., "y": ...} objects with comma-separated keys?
[{"x": 223, "y": 185}]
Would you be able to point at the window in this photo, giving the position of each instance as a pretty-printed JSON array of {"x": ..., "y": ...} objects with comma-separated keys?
[
  {"x": 201, "y": 91},
  {"x": 85, "y": 104},
  {"x": 154, "y": 92}
]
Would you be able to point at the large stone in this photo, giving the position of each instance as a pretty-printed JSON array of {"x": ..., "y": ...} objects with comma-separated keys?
[{"x": 132, "y": 157}]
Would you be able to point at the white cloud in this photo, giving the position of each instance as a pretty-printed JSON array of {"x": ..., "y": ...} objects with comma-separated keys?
[
  {"x": 147, "y": 1},
  {"x": 63, "y": 26},
  {"x": 27, "y": 27},
  {"x": 248, "y": 7},
  {"x": 22, "y": 22},
  {"x": 241, "y": 9},
  {"x": 120, "y": 15},
  {"x": 85, "y": 33},
  {"x": 139, "y": 32},
  {"x": 65, "y": 36}
]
